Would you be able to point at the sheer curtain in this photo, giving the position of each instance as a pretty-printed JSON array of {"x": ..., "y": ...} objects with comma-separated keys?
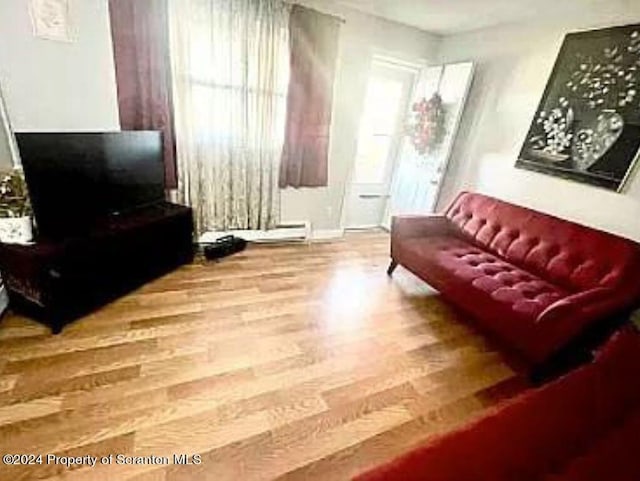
[{"x": 230, "y": 71}]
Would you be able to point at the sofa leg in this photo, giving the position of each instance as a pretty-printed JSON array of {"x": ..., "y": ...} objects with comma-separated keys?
[{"x": 392, "y": 267}]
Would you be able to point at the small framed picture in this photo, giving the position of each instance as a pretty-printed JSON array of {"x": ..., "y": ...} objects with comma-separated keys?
[{"x": 51, "y": 19}]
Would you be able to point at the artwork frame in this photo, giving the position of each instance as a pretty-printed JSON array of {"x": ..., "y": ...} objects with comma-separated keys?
[
  {"x": 587, "y": 125},
  {"x": 51, "y": 19}
]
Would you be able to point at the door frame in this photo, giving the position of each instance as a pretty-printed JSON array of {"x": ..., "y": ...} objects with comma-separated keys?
[
  {"x": 415, "y": 65},
  {"x": 443, "y": 169}
]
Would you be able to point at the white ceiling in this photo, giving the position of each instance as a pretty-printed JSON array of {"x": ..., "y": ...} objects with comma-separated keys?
[{"x": 454, "y": 16}]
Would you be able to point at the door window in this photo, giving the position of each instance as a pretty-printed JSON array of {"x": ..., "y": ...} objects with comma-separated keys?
[
  {"x": 386, "y": 99},
  {"x": 378, "y": 126}
]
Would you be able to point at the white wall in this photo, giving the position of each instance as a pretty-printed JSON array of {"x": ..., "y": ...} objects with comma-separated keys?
[
  {"x": 361, "y": 36},
  {"x": 56, "y": 86},
  {"x": 513, "y": 64},
  {"x": 51, "y": 85}
]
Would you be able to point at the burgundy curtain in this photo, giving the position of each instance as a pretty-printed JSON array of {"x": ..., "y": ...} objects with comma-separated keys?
[
  {"x": 314, "y": 50},
  {"x": 140, "y": 35}
]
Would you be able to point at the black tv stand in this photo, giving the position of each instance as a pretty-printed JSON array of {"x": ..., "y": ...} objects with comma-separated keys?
[{"x": 56, "y": 281}]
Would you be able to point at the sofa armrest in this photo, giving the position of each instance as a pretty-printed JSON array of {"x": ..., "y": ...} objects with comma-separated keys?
[
  {"x": 565, "y": 319},
  {"x": 411, "y": 226},
  {"x": 581, "y": 301},
  {"x": 582, "y": 308}
]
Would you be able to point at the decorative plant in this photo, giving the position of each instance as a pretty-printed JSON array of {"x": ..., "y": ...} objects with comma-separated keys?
[
  {"x": 427, "y": 127},
  {"x": 14, "y": 197}
]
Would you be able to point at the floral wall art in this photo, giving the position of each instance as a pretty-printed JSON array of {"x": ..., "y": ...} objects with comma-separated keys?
[{"x": 587, "y": 126}]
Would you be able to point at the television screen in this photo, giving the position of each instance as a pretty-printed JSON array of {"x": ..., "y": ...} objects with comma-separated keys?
[{"x": 77, "y": 179}]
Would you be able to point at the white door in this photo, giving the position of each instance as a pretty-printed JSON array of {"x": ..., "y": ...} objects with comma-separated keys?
[
  {"x": 388, "y": 93},
  {"x": 418, "y": 178}
]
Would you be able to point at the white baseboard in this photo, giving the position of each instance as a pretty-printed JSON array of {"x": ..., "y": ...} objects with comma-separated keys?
[{"x": 326, "y": 234}]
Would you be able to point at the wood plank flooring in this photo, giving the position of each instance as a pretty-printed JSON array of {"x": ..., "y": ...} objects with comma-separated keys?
[{"x": 292, "y": 362}]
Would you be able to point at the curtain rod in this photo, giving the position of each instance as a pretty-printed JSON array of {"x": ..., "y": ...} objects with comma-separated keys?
[{"x": 340, "y": 19}]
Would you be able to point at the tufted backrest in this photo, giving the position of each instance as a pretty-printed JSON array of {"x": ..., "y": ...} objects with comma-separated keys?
[{"x": 574, "y": 256}]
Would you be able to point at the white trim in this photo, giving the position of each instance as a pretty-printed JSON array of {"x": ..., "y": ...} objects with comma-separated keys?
[
  {"x": 326, "y": 234},
  {"x": 363, "y": 227},
  {"x": 414, "y": 67},
  {"x": 399, "y": 60}
]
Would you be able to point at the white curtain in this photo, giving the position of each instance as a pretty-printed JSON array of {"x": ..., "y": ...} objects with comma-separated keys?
[{"x": 230, "y": 72}]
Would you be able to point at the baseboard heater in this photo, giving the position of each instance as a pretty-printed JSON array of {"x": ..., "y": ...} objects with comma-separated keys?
[{"x": 293, "y": 232}]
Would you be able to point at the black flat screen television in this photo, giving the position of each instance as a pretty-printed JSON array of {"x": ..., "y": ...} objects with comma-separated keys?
[{"x": 77, "y": 180}]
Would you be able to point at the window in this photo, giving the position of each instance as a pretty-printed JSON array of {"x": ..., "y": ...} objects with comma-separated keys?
[{"x": 234, "y": 66}]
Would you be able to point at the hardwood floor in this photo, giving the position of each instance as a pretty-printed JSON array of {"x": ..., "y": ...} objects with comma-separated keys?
[{"x": 296, "y": 362}]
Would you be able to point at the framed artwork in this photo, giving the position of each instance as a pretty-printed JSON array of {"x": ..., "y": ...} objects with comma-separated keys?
[
  {"x": 587, "y": 126},
  {"x": 51, "y": 19}
]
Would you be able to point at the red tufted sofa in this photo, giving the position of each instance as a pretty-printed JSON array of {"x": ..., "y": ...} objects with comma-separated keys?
[
  {"x": 582, "y": 427},
  {"x": 534, "y": 280}
]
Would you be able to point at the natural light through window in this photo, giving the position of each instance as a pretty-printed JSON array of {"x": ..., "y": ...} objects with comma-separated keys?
[{"x": 377, "y": 129}]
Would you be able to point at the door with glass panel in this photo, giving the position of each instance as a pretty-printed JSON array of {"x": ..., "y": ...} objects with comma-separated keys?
[
  {"x": 389, "y": 90},
  {"x": 418, "y": 175}
]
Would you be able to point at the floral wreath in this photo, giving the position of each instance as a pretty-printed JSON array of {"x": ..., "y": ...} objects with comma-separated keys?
[{"x": 426, "y": 128}]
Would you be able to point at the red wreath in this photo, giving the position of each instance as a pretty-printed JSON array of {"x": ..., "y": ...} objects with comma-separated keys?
[{"x": 426, "y": 129}]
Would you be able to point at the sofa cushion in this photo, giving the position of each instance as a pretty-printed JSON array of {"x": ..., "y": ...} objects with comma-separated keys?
[
  {"x": 563, "y": 252},
  {"x": 505, "y": 298},
  {"x": 614, "y": 456},
  {"x": 506, "y": 284}
]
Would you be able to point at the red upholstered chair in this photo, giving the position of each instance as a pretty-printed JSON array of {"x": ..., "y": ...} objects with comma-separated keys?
[
  {"x": 582, "y": 427},
  {"x": 534, "y": 280}
]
